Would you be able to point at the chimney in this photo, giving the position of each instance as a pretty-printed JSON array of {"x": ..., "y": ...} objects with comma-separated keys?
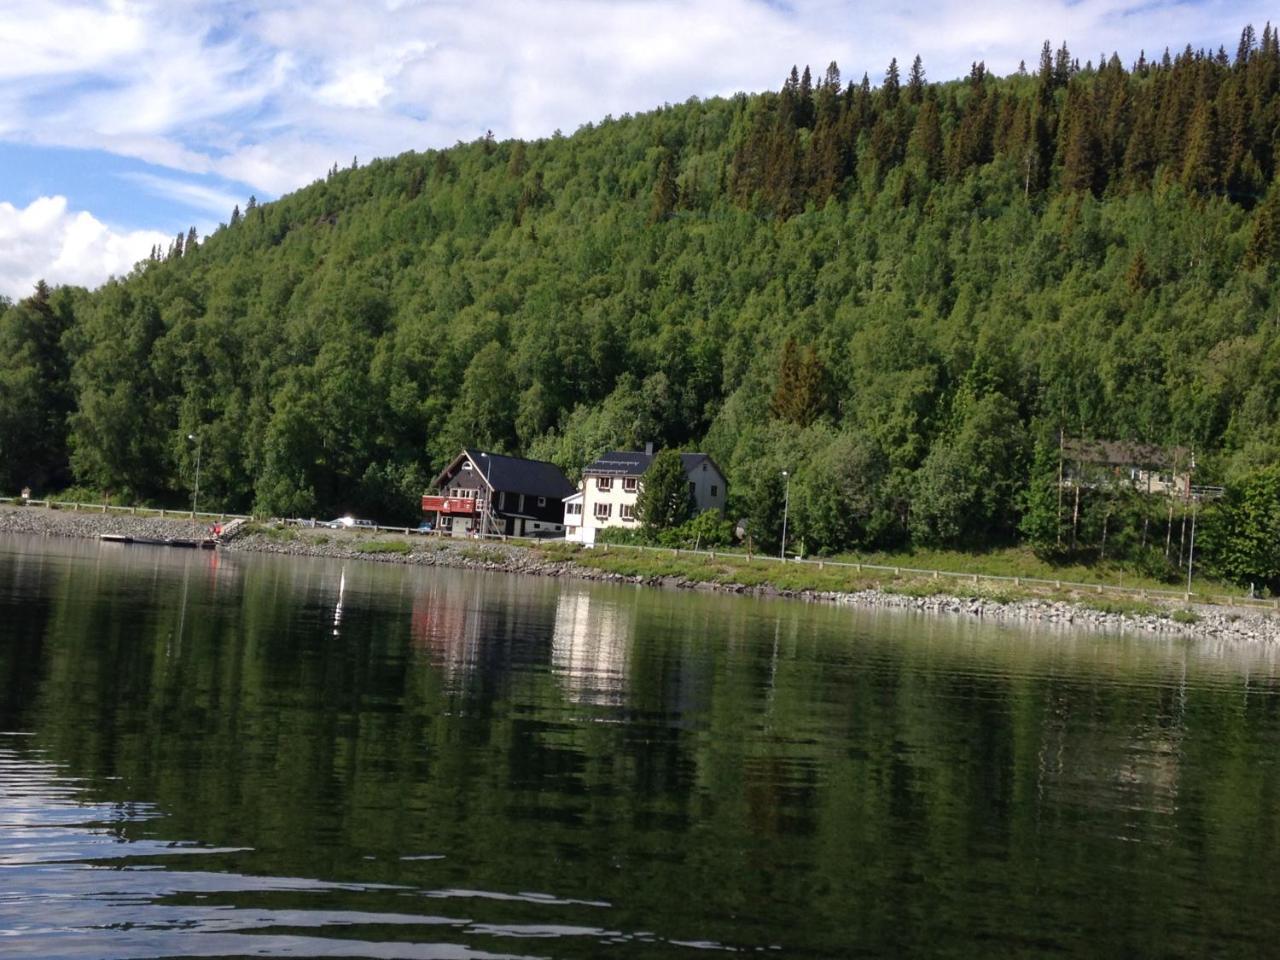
[{"x": 648, "y": 449}]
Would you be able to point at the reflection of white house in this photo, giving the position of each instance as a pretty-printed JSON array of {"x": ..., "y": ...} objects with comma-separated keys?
[
  {"x": 591, "y": 645},
  {"x": 607, "y": 495}
]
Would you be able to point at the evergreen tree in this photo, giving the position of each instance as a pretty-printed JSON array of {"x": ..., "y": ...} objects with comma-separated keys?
[
  {"x": 1200, "y": 159},
  {"x": 889, "y": 89},
  {"x": 916, "y": 81},
  {"x": 664, "y": 190},
  {"x": 664, "y": 500},
  {"x": 1264, "y": 243}
]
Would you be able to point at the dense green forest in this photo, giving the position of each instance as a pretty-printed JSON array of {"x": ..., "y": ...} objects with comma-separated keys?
[{"x": 899, "y": 292}]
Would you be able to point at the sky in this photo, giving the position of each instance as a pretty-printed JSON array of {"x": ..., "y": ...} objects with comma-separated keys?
[{"x": 123, "y": 122}]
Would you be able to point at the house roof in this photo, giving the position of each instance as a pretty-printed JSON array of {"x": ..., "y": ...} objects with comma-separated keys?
[
  {"x": 513, "y": 474},
  {"x": 633, "y": 463},
  {"x": 1120, "y": 453}
]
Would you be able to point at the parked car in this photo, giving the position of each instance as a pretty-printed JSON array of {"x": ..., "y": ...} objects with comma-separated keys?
[
  {"x": 425, "y": 527},
  {"x": 339, "y": 523}
]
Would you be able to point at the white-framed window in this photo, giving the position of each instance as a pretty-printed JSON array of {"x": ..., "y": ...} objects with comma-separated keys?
[
  {"x": 604, "y": 483},
  {"x": 466, "y": 464},
  {"x": 542, "y": 501},
  {"x": 627, "y": 511},
  {"x": 603, "y": 511},
  {"x": 629, "y": 484},
  {"x": 573, "y": 510}
]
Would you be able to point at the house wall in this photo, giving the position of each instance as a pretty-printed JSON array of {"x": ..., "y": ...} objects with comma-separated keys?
[
  {"x": 533, "y": 518},
  {"x": 704, "y": 478},
  {"x": 615, "y": 498}
]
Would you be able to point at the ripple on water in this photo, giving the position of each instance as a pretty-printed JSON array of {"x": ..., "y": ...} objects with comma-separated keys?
[{"x": 77, "y": 888}]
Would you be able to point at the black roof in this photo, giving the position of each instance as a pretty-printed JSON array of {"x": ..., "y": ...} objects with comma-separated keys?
[
  {"x": 513, "y": 474},
  {"x": 633, "y": 463}
]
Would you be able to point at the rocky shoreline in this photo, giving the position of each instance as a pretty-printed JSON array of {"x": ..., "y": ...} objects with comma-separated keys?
[{"x": 1241, "y": 625}]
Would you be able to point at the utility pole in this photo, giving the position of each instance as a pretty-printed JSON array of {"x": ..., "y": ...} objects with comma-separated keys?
[{"x": 786, "y": 504}]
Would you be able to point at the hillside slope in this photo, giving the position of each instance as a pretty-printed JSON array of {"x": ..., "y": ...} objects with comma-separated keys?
[{"x": 901, "y": 294}]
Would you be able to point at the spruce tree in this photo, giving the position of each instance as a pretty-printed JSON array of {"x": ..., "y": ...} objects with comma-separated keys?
[
  {"x": 915, "y": 81},
  {"x": 664, "y": 190},
  {"x": 664, "y": 500},
  {"x": 891, "y": 84}
]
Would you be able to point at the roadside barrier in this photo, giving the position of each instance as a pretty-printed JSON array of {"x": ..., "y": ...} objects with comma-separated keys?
[{"x": 1142, "y": 593}]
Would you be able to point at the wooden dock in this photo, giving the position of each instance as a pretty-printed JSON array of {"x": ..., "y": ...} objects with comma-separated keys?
[{"x": 189, "y": 543}]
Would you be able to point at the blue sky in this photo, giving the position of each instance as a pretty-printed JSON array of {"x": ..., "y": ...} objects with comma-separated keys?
[{"x": 123, "y": 122}]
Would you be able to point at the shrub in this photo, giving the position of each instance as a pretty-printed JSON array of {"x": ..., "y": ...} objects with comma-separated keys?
[{"x": 384, "y": 546}]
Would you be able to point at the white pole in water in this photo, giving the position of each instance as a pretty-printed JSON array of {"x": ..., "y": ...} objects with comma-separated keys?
[{"x": 786, "y": 505}]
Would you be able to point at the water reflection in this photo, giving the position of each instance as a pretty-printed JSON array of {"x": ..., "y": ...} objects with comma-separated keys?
[
  {"x": 309, "y": 758},
  {"x": 591, "y": 644}
]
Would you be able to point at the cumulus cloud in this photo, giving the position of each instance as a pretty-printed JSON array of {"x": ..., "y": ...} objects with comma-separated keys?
[
  {"x": 271, "y": 94},
  {"x": 215, "y": 88},
  {"x": 45, "y": 240}
]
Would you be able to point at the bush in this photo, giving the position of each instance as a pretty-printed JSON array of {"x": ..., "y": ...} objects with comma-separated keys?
[{"x": 384, "y": 546}]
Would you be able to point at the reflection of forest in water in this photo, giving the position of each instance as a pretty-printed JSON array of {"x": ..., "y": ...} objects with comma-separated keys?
[{"x": 742, "y": 771}]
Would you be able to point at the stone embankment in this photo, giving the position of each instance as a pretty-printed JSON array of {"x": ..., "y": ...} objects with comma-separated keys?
[
  {"x": 40, "y": 521},
  {"x": 1208, "y": 622}
]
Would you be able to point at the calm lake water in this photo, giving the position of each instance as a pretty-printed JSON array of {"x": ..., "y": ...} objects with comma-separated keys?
[{"x": 220, "y": 756}]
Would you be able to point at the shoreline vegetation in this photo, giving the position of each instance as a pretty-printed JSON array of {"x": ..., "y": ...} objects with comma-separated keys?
[{"x": 992, "y": 599}]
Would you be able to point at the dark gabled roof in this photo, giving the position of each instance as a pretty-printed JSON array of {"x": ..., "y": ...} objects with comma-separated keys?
[
  {"x": 1120, "y": 453},
  {"x": 633, "y": 463},
  {"x": 513, "y": 474}
]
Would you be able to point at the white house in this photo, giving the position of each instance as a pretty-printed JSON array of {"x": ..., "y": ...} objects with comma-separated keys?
[{"x": 610, "y": 485}]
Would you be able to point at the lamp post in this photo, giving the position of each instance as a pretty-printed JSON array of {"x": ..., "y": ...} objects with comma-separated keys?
[
  {"x": 487, "y": 517},
  {"x": 1191, "y": 553},
  {"x": 195, "y": 493},
  {"x": 786, "y": 506}
]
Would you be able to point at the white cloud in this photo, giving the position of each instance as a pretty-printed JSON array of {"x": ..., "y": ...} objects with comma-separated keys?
[
  {"x": 277, "y": 91},
  {"x": 217, "y": 203},
  {"x": 45, "y": 240},
  {"x": 274, "y": 92}
]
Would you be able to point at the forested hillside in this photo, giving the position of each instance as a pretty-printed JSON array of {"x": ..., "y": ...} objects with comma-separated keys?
[{"x": 900, "y": 292}]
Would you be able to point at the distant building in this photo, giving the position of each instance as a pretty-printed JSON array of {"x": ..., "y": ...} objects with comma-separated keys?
[
  {"x": 611, "y": 485},
  {"x": 1145, "y": 467},
  {"x": 490, "y": 492}
]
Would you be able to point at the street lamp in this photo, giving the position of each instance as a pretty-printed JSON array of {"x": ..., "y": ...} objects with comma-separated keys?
[
  {"x": 488, "y": 497},
  {"x": 786, "y": 505},
  {"x": 195, "y": 493}
]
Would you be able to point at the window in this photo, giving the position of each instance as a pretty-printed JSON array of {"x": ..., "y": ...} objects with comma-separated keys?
[
  {"x": 466, "y": 464},
  {"x": 629, "y": 484},
  {"x": 715, "y": 490},
  {"x": 627, "y": 511},
  {"x": 704, "y": 468},
  {"x": 693, "y": 489},
  {"x": 542, "y": 501},
  {"x": 604, "y": 483},
  {"x": 604, "y": 511},
  {"x": 573, "y": 510}
]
